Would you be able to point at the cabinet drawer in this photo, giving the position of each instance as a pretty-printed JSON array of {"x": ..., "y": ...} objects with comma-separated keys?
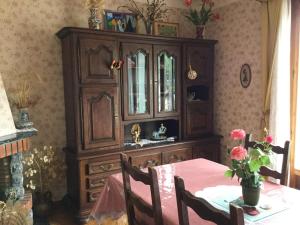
[
  {"x": 96, "y": 181},
  {"x": 92, "y": 196},
  {"x": 145, "y": 161},
  {"x": 103, "y": 167},
  {"x": 208, "y": 151},
  {"x": 177, "y": 155}
]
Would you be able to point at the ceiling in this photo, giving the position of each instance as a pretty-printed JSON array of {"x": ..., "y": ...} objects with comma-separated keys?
[{"x": 180, "y": 4}]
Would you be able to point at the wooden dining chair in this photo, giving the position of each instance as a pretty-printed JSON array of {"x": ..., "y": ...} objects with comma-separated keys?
[
  {"x": 266, "y": 171},
  {"x": 203, "y": 208},
  {"x": 133, "y": 201}
]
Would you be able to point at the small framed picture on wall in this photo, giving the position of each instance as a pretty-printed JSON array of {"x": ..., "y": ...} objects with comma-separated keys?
[
  {"x": 166, "y": 29},
  {"x": 120, "y": 21},
  {"x": 245, "y": 75}
]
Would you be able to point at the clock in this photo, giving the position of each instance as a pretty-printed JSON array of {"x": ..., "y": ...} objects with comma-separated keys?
[{"x": 192, "y": 74}]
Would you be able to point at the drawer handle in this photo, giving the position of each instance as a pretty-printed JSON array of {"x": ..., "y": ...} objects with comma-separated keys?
[
  {"x": 106, "y": 167},
  {"x": 93, "y": 196},
  {"x": 175, "y": 158},
  {"x": 97, "y": 183},
  {"x": 149, "y": 163}
]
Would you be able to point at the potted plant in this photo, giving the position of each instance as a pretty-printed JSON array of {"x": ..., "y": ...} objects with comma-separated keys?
[
  {"x": 155, "y": 10},
  {"x": 201, "y": 17},
  {"x": 246, "y": 165},
  {"x": 39, "y": 172}
]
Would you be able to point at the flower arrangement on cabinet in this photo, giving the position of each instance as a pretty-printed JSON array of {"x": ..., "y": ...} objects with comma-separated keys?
[
  {"x": 155, "y": 10},
  {"x": 246, "y": 165},
  {"x": 200, "y": 17}
]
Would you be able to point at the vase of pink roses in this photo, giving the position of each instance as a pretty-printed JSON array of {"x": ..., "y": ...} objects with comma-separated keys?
[{"x": 246, "y": 164}]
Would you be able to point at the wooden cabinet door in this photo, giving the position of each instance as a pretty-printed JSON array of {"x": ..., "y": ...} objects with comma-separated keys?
[
  {"x": 200, "y": 58},
  {"x": 198, "y": 119},
  {"x": 137, "y": 81},
  {"x": 167, "y": 69},
  {"x": 96, "y": 56},
  {"x": 177, "y": 155},
  {"x": 209, "y": 151},
  {"x": 100, "y": 117}
]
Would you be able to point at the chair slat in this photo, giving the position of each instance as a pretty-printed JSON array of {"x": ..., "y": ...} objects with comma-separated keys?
[
  {"x": 132, "y": 200},
  {"x": 265, "y": 171},
  {"x": 203, "y": 208}
]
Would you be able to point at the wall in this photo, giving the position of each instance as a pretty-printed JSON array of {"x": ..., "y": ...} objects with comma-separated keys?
[
  {"x": 239, "y": 41},
  {"x": 30, "y": 49}
]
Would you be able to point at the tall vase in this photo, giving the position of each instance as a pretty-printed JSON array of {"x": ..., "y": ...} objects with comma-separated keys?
[
  {"x": 200, "y": 31},
  {"x": 94, "y": 21},
  {"x": 149, "y": 27},
  {"x": 250, "y": 195}
]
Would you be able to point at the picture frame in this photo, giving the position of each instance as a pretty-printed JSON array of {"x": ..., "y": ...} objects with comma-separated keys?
[
  {"x": 166, "y": 29},
  {"x": 245, "y": 75},
  {"x": 120, "y": 21}
]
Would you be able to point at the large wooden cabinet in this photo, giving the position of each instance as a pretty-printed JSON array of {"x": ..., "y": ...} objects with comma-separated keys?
[{"x": 151, "y": 88}]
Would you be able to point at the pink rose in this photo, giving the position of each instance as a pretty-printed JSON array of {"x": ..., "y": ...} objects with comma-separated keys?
[
  {"x": 238, "y": 134},
  {"x": 238, "y": 153},
  {"x": 188, "y": 2},
  {"x": 269, "y": 139}
]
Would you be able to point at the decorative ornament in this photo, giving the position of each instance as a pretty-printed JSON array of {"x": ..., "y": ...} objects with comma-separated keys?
[
  {"x": 136, "y": 133},
  {"x": 192, "y": 74}
]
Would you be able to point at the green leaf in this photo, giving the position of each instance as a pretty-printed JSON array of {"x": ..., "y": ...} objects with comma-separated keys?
[
  {"x": 254, "y": 165},
  {"x": 239, "y": 172},
  {"x": 228, "y": 173},
  {"x": 255, "y": 153},
  {"x": 265, "y": 160}
]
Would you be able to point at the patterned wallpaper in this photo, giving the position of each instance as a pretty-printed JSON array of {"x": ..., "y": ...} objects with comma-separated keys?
[
  {"x": 28, "y": 46},
  {"x": 239, "y": 36}
]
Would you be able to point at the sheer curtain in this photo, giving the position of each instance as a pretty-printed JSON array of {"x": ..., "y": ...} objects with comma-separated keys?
[{"x": 279, "y": 120}]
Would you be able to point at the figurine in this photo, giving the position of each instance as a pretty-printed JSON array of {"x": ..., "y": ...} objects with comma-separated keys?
[
  {"x": 160, "y": 134},
  {"x": 136, "y": 133}
]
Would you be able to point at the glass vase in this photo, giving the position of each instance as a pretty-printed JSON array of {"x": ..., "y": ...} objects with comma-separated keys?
[
  {"x": 149, "y": 27},
  {"x": 200, "y": 31},
  {"x": 23, "y": 121},
  {"x": 250, "y": 195}
]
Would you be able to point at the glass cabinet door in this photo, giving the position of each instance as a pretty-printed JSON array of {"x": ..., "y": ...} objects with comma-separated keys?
[
  {"x": 166, "y": 83},
  {"x": 137, "y": 81},
  {"x": 166, "y": 90}
]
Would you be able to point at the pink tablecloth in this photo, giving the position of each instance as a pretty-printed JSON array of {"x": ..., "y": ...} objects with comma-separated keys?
[{"x": 197, "y": 174}]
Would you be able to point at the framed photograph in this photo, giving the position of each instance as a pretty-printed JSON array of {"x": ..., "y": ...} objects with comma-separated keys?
[
  {"x": 119, "y": 21},
  {"x": 166, "y": 29},
  {"x": 245, "y": 75}
]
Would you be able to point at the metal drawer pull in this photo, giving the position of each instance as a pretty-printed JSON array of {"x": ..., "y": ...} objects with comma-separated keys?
[
  {"x": 93, "y": 196},
  {"x": 97, "y": 183},
  {"x": 106, "y": 167}
]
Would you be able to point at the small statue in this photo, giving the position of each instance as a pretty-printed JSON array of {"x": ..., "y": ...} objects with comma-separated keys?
[
  {"x": 136, "y": 133},
  {"x": 161, "y": 133}
]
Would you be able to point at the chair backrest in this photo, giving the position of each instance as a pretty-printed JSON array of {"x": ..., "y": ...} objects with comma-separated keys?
[
  {"x": 132, "y": 200},
  {"x": 265, "y": 171},
  {"x": 203, "y": 208}
]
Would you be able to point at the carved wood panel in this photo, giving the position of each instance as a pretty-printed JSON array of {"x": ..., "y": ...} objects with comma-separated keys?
[
  {"x": 200, "y": 59},
  {"x": 96, "y": 56},
  {"x": 177, "y": 155},
  {"x": 198, "y": 119},
  {"x": 100, "y": 117}
]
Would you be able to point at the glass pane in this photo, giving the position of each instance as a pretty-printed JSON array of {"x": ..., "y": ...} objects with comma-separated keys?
[
  {"x": 137, "y": 83},
  {"x": 166, "y": 83}
]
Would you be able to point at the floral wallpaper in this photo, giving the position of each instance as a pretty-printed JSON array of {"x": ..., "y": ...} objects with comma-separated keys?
[
  {"x": 239, "y": 42},
  {"x": 28, "y": 45}
]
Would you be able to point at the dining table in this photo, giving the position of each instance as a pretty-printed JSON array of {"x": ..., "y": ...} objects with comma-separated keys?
[{"x": 278, "y": 204}]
